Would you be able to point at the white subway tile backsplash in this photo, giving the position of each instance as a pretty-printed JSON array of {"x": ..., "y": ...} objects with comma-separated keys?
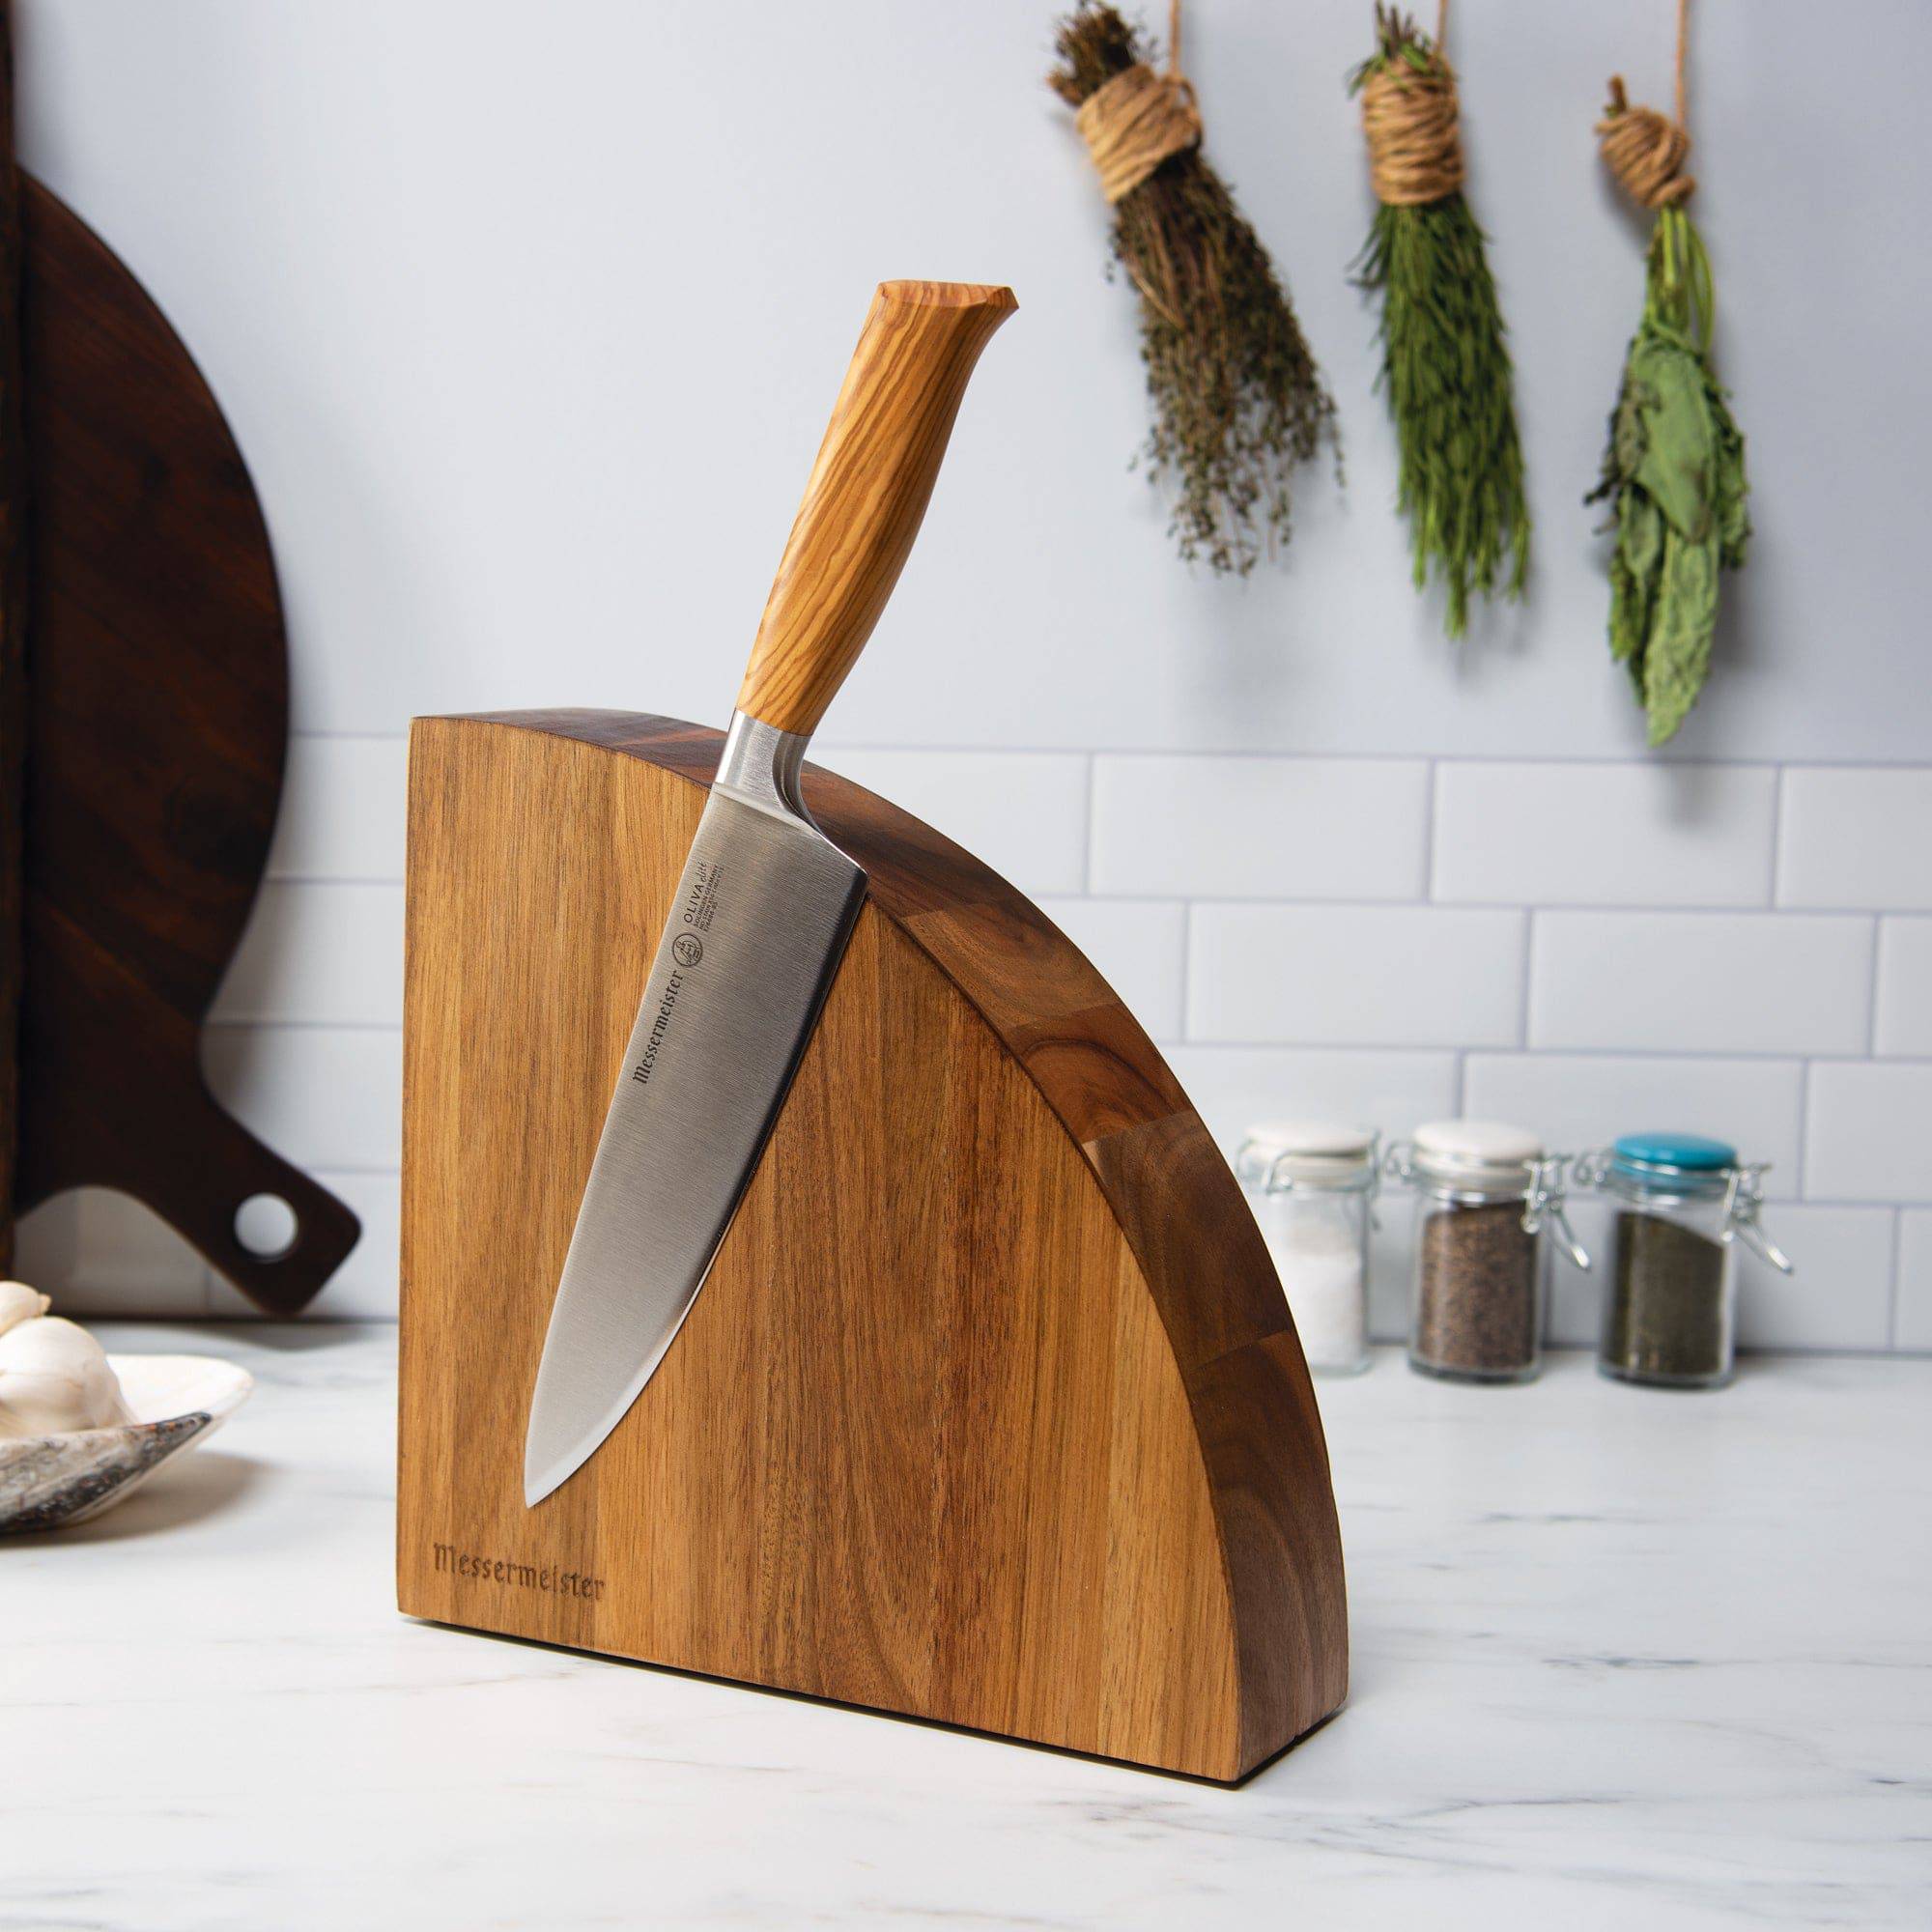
[
  {"x": 1257, "y": 915},
  {"x": 101, "y": 1253},
  {"x": 1232, "y": 1088},
  {"x": 344, "y": 810},
  {"x": 1661, "y": 835},
  {"x": 1370, "y": 976},
  {"x": 1858, "y": 838},
  {"x": 1913, "y": 1320},
  {"x": 1712, "y": 983},
  {"x": 1024, "y": 814},
  {"x": 1583, "y": 1101},
  {"x": 363, "y": 1289},
  {"x": 1840, "y": 1293},
  {"x": 319, "y": 954},
  {"x": 1140, "y": 948},
  {"x": 320, "y": 1097},
  {"x": 1260, "y": 828},
  {"x": 1868, "y": 1131},
  {"x": 1904, "y": 1023}
]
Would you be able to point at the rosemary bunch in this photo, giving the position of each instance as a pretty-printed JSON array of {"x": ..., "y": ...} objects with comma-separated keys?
[
  {"x": 1237, "y": 401},
  {"x": 1445, "y": 365},
  {"x": 1674, "y": 472}
]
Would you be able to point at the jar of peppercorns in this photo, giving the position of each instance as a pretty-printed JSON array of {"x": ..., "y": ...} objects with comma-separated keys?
[
  {"x": 1684, "y": 1203},
  {"x": 1485, "y": 1195}
]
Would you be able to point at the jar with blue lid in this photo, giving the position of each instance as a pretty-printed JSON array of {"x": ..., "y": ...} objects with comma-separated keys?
[{"x": 1684, "y": 1203}]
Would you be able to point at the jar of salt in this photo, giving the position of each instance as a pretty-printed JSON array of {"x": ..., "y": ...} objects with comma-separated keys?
[
  {"x": 1485, "y": 1192},
  {"x": 1312, "y": 1185},
  {"x": 1682, "y": 1204}
]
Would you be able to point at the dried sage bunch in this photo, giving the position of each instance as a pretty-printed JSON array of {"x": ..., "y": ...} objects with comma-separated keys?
[
  {"x": 1445, "y": 365},
  {"x": 1674, "y": 472},
  {"x": 1237, "y": 401}
]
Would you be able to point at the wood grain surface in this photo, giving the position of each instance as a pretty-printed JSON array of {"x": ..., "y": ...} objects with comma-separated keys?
[
  {"x": 990, "y": 1410},
  {"x": 12, "y": 639},
  {"x": 868, "y": 492},
  {"x": 157, "y": 717}
]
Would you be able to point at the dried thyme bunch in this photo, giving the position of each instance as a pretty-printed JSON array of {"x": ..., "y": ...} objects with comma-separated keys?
[
  {"x": 1445, "y": 366},
  {"x": 1238, "y": 400},
  {"x": 1674, "y": 470}
]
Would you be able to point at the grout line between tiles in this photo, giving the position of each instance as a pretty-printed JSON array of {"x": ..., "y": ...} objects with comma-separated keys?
[
  {"x": 1776, "y": 840},
  {"x": 1186, "y": 972},
  {"x": 1610, "y": 908},
  {"x": 1186, "y": 977},
  {"x": 1897, "y": 1277},
  {"x": 1871, "y": 1009},
  {"x": 239, "y": 1022},
  {"x": 1091, "y": 831},
  {"x": 1431, "y": 870},
  {"x": 1603, "y": 760},
  {"x": 1530, "y": 920},
  {"x": 1804, "y": 1129}
]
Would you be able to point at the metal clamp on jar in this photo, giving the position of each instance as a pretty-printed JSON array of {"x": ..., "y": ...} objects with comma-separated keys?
[
  {"x": 1682, "y": 1204},
  {"x": 1312, "y": 1187},
  {"x": 1485, "y": 1193}
]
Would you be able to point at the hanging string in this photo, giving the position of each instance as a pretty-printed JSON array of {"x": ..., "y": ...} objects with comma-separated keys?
[
  {"x": 1646, "y": 150},
  {"x": 1412, "y": 119},
  {"x": 1140, "y": 118}
]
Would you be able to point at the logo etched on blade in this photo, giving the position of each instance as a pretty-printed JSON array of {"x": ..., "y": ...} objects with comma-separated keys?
[{"x": 687, "y": 948}]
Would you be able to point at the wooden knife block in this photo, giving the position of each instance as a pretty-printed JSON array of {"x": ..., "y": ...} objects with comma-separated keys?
[{"x": 990, "y": 1411}]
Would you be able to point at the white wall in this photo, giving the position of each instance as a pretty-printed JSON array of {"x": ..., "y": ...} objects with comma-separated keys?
[{"x": 527, "y": 320}]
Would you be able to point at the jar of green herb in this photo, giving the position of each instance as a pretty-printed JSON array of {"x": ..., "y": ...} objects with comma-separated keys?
[
  {"x": 1682, "y": 1204},
  {"x": 1485, "y": 1192}
]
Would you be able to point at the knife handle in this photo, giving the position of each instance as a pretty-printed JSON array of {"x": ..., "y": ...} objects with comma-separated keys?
[{"x": 868, "y": 492}]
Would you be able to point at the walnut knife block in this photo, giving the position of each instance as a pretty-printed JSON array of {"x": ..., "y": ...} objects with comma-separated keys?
[{"x": 991, "y": 1410}]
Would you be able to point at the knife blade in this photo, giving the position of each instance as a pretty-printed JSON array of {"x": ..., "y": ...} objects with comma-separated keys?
[{"x": 766, "y": 903}]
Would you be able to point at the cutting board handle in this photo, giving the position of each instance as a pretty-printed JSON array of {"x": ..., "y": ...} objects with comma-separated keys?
[
  {"x": 210, "y": 1166},
  {"x": 868, "y": 492}
]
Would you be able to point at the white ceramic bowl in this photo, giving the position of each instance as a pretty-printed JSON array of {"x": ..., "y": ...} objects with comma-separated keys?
[{"x": 47, "y": 1482}]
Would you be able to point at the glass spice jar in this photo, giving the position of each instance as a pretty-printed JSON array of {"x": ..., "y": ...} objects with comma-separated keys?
[
  {"x": 1483, "y": 1194},
  {"x": 1312, "y": 1185},
  {"x": 1683, "y": 1203}
]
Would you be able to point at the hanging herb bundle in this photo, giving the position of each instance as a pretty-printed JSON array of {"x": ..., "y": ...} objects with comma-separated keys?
[
  {"x": 1237, "y": 401},
  {"x": 1674, "y": 472},
  {"x": 1445, "y": 366}
]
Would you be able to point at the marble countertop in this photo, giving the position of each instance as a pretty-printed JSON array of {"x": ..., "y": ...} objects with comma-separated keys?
[{"x": 1620, "y": 1657}]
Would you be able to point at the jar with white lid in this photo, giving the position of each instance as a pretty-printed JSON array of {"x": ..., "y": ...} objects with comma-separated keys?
[
  {"x": 1684, "y": 1203},
  {"x": 1485, "y": 1192},
  {"x": 1312, "y": 1185}
]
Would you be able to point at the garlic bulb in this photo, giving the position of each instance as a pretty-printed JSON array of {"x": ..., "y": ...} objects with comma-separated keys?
[
  {"x": 20, "y": 1304},
  {"x": 53, "y": 1376}
]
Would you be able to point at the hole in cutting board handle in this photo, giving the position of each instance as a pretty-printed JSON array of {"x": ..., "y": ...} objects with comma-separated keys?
[{"x": 267, "y": 1227}]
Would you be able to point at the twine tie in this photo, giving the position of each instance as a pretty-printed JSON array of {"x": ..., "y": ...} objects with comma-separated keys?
[
  {"x": 1138, "y": 118},
  {"x": 1412, "y": 121},
  {"x": 1646, "y": 150}
]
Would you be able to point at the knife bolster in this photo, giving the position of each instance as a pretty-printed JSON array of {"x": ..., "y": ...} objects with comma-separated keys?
[{"x": 763, "y": 766}]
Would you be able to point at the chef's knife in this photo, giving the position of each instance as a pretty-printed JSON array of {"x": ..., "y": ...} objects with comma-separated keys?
[{"x": 766, "y": 902}]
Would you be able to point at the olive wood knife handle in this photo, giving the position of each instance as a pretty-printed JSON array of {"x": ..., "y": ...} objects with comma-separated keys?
[{"x": 868, "y": 492}]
